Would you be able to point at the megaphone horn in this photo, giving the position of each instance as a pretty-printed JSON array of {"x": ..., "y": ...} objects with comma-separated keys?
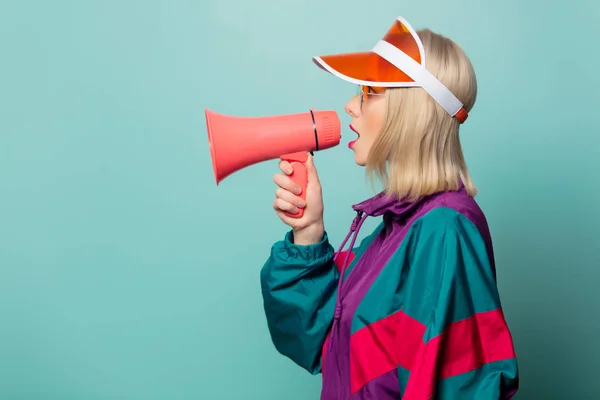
[{"x": 238, "y": 142}]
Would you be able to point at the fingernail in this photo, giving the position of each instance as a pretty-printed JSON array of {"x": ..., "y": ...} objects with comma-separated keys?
[
  {"x": 297, "y": 190},
  {"x": 301, "y": 204},
  {"x": 290, "y": 170}
]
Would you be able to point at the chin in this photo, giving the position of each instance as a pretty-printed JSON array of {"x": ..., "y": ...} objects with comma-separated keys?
[
  {"x": 359, "y": 160},
  {"x": 360, "y": 157}
]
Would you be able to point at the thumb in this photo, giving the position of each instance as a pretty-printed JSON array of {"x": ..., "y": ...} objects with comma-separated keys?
[{"x": 311, "y": 170}]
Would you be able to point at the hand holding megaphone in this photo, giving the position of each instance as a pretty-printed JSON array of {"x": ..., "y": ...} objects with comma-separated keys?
[
  {"x": 309, "y": 228},
  {"x": 238, "y": 142}
]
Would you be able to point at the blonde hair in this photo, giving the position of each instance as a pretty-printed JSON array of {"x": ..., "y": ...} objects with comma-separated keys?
[{"x": 418, "y": 152}]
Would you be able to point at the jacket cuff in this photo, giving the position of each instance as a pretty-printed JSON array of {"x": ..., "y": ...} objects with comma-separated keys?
[{"x": 310, "y": 255}]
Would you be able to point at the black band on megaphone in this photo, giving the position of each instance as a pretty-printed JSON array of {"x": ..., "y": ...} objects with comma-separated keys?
[{"x": 315, "y": 129}]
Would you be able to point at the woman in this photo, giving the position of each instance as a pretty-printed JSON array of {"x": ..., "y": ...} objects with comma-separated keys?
[{"x": 413, "y": 311}]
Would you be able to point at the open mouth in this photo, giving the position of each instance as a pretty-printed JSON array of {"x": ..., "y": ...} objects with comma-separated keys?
[{"x": 354, "y": 141}]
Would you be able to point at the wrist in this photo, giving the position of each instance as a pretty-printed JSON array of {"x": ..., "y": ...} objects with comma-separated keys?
[{"x": 312, "y": 234}]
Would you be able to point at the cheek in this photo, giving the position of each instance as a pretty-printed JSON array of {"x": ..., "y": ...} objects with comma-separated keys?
[{"x": 374, "y": 123}]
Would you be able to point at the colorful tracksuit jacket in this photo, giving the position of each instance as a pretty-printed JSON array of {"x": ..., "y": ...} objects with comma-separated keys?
[{"x": 411, "y": 313}]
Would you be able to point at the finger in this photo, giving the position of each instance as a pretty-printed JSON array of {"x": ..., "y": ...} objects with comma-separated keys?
[
  {"x": 287, "y": 183},
  {"x": 286, "y": 167},
  {"x": 290, "y": 198},
  {"x": 312, "y": 170},
  {"x": 286, "y": 219},
  {"x": 282, "y": 205}
]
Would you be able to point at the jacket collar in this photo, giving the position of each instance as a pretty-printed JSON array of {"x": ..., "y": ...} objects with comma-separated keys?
[
  {"x": 382, "y": 203},
  {"x": 393, "y": 208}
]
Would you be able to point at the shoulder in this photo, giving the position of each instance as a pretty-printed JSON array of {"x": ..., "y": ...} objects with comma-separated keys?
[
  {"x": 448, "y": 240},
  {"x": 452, "y": 212},
  {"x": 443, "y": 220}
]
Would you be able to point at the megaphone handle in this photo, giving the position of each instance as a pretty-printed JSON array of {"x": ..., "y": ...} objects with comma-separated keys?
[{"x": 299, "y": 175}]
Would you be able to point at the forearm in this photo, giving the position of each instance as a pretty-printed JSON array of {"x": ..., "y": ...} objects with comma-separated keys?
[{"x": 298, "y": 284}]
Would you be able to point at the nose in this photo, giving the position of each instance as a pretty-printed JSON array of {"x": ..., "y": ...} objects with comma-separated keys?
[{"x": 352, "y": 107}]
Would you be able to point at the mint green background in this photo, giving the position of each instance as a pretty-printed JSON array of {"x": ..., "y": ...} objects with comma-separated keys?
[{"x": 125, "y": 273}]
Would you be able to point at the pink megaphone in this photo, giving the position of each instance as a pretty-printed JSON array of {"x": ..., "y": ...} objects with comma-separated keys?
[{"x": 238, "y": 142}]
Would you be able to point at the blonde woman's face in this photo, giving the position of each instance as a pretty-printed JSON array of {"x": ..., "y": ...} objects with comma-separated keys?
[{"x": 367, "y": 121}]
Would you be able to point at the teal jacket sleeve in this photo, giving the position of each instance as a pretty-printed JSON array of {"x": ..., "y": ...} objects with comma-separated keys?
[
  {"x": 465, "y": 349},
  {"x": 299, "y": 286}
]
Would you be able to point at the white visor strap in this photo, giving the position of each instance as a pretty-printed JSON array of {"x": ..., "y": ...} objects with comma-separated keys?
[{"x": 420, "y": 75}]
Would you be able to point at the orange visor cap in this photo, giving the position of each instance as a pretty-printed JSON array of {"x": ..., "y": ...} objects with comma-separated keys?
[{"x": 397, "y": 60}]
